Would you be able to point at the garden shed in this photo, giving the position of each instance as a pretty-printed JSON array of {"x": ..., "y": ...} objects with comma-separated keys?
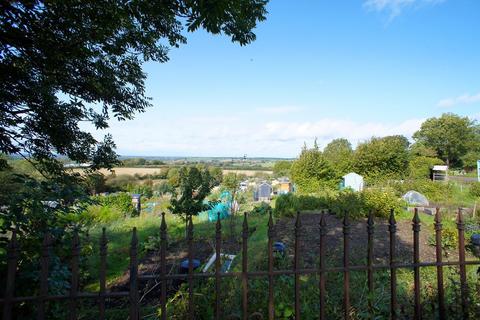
[
  {"x": 136, "y": 201},
  {"x": 353, "y": 181},
  {"x": 439, "y": 173},
  {"x": 263, "y": 192}
]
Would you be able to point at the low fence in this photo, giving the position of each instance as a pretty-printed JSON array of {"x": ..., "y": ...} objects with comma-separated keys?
[{"x": 244, "y": 275}]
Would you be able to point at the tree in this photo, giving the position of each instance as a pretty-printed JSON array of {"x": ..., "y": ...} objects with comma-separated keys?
[
  {"x": 216, "y": 174},
  {"x": 231, "y": 182},
  {"x": 95, "y": 183},
  {"x": 71, "y": 61},
  {"x": 380, "y": 158},
  {"x": 450, "y": 135},
  {"x": 281, "y": 168},
  {"x": 193, "y": 187},
  {"x": 469, "y": 160},
  {"x": 311, "y": 171},
  {"x": 339, "y": 154}
]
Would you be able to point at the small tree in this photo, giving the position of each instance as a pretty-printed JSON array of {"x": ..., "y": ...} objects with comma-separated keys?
[
  {"x": 381, "y": 158},
  {"x": 194, "y": 185},
  {"x": 311, "y": 171},
  {"x": 231, "y": 182},
  {"x": 339, "y": 154},
  {"x": 282, "y": 168}
]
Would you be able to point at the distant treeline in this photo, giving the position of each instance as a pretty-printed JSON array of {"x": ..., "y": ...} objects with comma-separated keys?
[{"x": 239, "y": 165}]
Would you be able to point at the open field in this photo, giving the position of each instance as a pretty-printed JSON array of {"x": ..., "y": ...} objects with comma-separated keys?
[{"x": 143, "y": 171}]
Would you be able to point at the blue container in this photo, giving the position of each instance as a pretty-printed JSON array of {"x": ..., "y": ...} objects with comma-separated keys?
[
  {"x": 184, "y": 265},
  {"x": 475, "y": 239},
  {"x": 279, "y": 247}
]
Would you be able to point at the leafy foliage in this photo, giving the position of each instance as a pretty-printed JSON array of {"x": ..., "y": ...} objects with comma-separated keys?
[
  {"x": 282, "y": 168},
  {"x": 382, "y": 158},
  {"x": 475, "y": 189},
  {"x": 450, "y": 135},
  {"x": 193, "y": 187},
  {"x": 121, "y": 201},
  {"x": 311, "y": 172},
  {"x": 357, "y": 204},
  {"x": 339, "y": 154},
  {"x": 76, "y": 61}
]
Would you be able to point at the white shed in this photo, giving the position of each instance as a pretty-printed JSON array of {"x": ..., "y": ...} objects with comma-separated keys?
[{"x": 353, "y": 181}]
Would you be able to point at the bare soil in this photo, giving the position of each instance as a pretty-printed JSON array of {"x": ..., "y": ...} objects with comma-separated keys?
[{"x": 310, "y": 237}]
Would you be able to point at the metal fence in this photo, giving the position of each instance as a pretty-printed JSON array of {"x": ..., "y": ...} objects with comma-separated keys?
[{"x": 9, "y": 300}]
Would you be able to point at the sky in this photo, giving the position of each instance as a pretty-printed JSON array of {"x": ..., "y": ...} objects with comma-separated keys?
[{"x": 318, "y": 69}]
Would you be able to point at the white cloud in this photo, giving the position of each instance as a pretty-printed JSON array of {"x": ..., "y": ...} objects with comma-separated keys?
[
  {"x": 396, "y": 7},
  {"x": 460, "y": 100},
  {"x": 238, "y": 135}
]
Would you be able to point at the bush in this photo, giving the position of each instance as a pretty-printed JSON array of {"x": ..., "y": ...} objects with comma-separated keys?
[
  {"x": 475, "y": 189},
  {"x": 287, "y": 205},
  {"x": 357, "y": 204},
  {"x": 262, "y": 209},
  {"x": 347, "y": 201},
  {"x": 104, "y": 214},
  {"x": 380, "y": 202},
  {"x": 120, "y": 201},
  {"x": 434, "y": 191}
]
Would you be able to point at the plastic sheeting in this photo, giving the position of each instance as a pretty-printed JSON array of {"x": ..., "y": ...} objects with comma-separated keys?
[{"x": 415, "y": 198}]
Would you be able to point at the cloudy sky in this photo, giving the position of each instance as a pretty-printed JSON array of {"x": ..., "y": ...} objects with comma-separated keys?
[{"x": 324, "y": 69}]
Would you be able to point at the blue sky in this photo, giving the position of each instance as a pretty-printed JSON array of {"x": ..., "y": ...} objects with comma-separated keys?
[{"x": 324, "y": 69}]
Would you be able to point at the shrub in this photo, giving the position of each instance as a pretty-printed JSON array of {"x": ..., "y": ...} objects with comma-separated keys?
[
  {"x": 287, "y": 205},
  {"x": 357, "y": 204},
  {"x": 449, "y": 238},
  {"x": 380, "y": 202},
  {"x": 347, "y": 201},
  {"x": 262, "y": 209},
  {"x": 104, "y": 214},
  {"x": 434, "y": 191},
  {"x": 120, "y": 201},
  {"x": 475, "y": 189}
]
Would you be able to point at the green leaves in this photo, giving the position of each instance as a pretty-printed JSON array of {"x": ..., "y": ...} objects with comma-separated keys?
[
  {"x": 451, "y": 136},
  {"x": 194, "y": 186},
  {"x": 66, "y": 62},
  {"x": 311, "y": 172}
]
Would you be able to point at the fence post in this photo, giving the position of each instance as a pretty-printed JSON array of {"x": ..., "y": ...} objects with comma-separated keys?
[
  {"x": 461, "y": 257},
  {"x": 370, "y": 231},
  {"x": 103, "y": 271},
  {"x": 244, "y": 267},
  {"x": 346, "y": 262},
  {"x": 218, "y": 252},
  {"x": 416, "y": 261},
  {"x": 271, "y": 302},
  {"x": 438, "y": 250},
  {"x": 74, "y": 278},
  {"x": 134, "y": 307},
  {"x": 163, "y": 268},
  {"x": 392, "y": 228},
  {"x": 296, "y": 265},
  {"x": 44, "y": 262},
  {"x": 323, "y": 232},
  {"x": 190, "y": 267},
  {"x": 11, "y": 271}
]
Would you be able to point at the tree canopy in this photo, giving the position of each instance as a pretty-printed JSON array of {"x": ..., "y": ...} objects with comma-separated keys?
[
  {"x": 63, "y": 62},
  {"x": 311, "y": 171},
  {"x": 339, "y": 154},
  {"x": 193, "y": 187},
  {"x": 450, "y": 135},
  {"x": 385, "y": 157}
]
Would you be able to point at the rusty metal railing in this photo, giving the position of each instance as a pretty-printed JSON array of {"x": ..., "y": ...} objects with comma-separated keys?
[{"x": 9, "y": 300}]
